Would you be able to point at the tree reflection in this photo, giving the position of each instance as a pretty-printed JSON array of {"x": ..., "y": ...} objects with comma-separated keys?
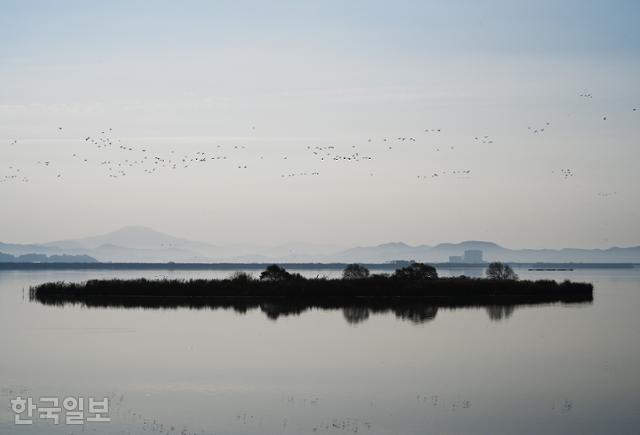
[
  {"x": 500, "y": 312},
  {"x": 355, "y": 315}
]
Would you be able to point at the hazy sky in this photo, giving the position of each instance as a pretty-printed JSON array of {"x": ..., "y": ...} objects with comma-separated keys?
[{"x": 183, "y": 80}]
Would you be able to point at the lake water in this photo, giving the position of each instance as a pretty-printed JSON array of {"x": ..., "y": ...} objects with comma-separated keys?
[{"x": 536, "y": 369}]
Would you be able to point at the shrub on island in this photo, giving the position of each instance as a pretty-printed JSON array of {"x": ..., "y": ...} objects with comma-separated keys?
[
  {"x": 355, "y": 271},
  {"x": 416, "y": 271},
  {"x": 500, "y": 271}
]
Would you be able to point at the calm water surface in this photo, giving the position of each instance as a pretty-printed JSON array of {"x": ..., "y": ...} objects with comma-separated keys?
[{"x": 544, "y": 369}]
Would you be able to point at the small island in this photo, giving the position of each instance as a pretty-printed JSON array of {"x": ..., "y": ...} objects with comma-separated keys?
[{"x": 415, "y": 284}]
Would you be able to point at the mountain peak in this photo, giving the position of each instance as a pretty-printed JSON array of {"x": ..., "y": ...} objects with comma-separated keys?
[
  {"x": 394, "y": 245},
  {"x": 470, "y": 244},
  {"x": 131, "y": 236},
  {"x": 136, "y": 230}
]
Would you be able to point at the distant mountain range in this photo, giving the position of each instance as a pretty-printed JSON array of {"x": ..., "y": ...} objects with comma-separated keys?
[
  {"x": 43, "y": 258},
  {"x": 141, "y": 244}
]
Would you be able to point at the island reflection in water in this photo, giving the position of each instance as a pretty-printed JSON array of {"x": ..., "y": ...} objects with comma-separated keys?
[{"x": 354, "y": 313}]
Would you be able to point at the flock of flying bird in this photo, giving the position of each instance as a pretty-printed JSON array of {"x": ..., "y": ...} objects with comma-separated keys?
[
  {"x": 119, "y": 159},
  {"x": 128, "y": 158}
]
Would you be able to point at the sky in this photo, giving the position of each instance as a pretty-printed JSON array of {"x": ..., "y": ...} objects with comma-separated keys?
[{"x": 201, "y": 119}]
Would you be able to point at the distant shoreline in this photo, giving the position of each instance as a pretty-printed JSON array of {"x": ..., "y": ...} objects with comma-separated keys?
[{"x": 298, "y": 266}]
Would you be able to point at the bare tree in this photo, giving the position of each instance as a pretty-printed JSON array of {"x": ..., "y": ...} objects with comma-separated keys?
[
  {"x": 417, "y": 271},
  {"x": 355, "y": 271},
  {"x": 275, "y": 273},
  {"x": 500, "y": 271}
]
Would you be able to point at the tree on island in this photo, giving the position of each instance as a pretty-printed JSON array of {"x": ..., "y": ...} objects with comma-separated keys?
[
  {"x": 355, "y": 271},
  {"x": 275, "y": 273},
  {"x": 416, "y": 271},
  {"x": 500, "y": 271},
  {"x": 241, "y": 276}
]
